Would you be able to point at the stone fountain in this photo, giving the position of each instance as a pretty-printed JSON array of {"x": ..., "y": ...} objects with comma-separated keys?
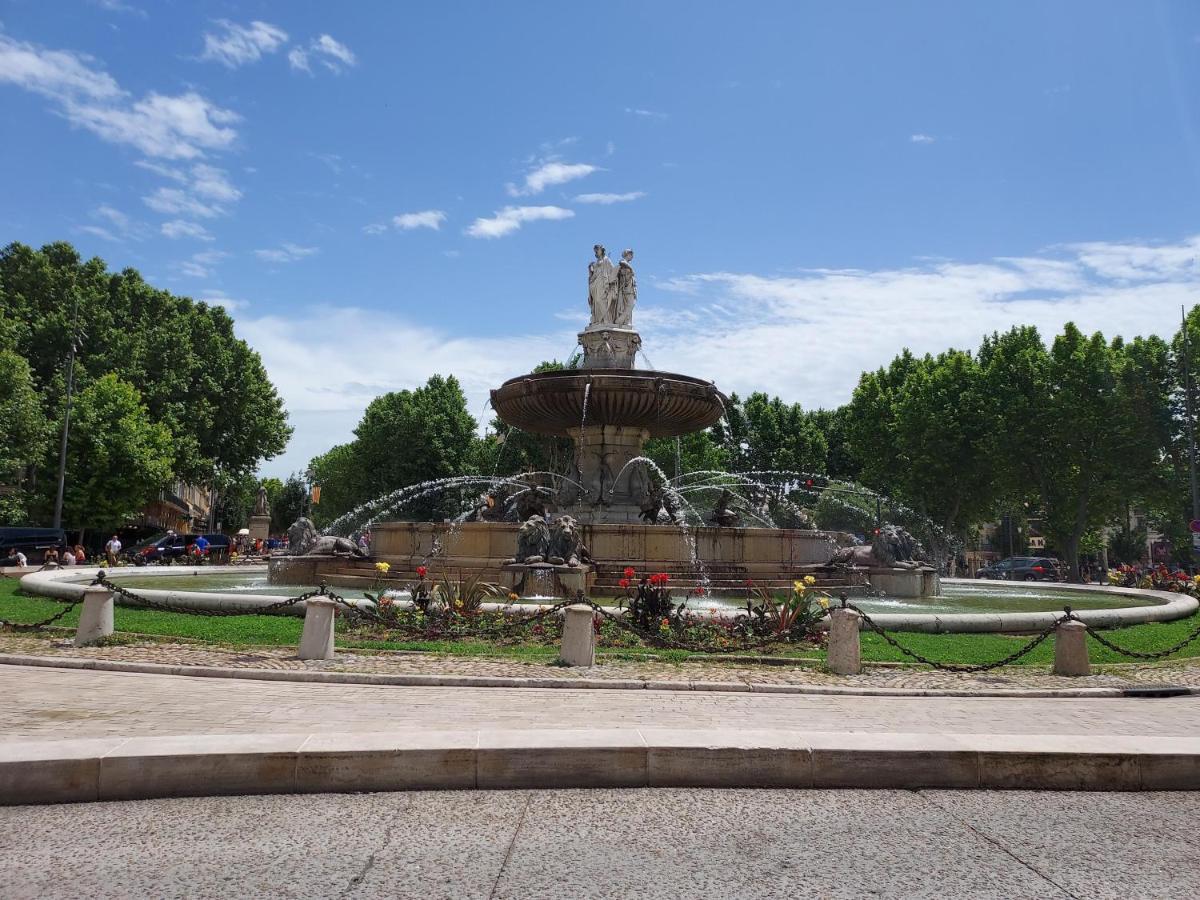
[
  {"x": 608, "y": 407},
  {"x": 609, "y": 512}
]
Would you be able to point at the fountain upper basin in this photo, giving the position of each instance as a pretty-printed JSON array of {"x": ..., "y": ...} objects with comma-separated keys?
[{"x": 662, "y": 403}]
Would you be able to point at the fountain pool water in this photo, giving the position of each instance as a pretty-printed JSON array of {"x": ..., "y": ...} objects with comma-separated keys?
[{"x": 957, "y": 597}]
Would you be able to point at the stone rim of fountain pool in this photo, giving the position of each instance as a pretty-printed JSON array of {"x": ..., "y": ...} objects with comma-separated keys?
[{"x": 69, "y": 584}]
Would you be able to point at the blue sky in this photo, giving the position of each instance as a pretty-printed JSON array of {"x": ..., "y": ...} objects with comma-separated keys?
[{"x": 381, "y": 191}]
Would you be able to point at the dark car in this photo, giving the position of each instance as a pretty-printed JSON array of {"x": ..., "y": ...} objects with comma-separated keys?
[
  {"x": 30, "y": 539},
  {"x": 1024, "y": 568},
  {"x": 171, "y": 547}
]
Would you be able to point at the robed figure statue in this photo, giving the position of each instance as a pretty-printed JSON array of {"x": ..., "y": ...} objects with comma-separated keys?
[{"x": 602, "y": 288}]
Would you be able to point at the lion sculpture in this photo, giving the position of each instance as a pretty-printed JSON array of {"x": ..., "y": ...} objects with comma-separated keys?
[
  {"x": 304, "y": 540},
  {"x": 566, "y": 547},
  {"x": 533, "y": 541},
  {"x": 891, "y": 548}
]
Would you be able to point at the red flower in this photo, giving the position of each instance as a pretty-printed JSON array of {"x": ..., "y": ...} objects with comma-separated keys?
[
  {"x": 421, "y": 570},
  {"x": 629, "y": 572},
  {"x": 624, "y": 583}
]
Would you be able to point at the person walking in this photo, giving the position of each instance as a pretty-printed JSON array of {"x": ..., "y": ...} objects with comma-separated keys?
[{"x": 112, "y": 550}]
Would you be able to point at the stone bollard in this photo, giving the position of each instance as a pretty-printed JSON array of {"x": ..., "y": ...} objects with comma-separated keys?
[
  {"x": 844, "y": 654},
  {"x": 1070, "y": 649},
  {"x": 316, "y": 641},
  {"x": 96, "y": 620},
  {"x": 579, "y": 637}
]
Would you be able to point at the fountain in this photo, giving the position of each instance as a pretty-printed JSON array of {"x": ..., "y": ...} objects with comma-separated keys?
[{"x": 616, "y": 505}]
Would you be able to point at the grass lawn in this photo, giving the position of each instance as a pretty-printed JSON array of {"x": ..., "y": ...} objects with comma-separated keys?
[{"x": 245, "y": 631}]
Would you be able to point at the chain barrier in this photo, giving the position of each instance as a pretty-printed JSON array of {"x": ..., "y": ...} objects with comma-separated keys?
[
  {"x": 955, "y": 667},
  {"x": 167, "y": 606},
  {"x": 45, "y": 623},
  {"x": 1134, "y": 654}
]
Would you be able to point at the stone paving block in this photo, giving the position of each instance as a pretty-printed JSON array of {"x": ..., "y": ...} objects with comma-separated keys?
[
  {"x": 387, "y": 761},
  {"x": 1053, "y": 762},
  {"x": 143, "y": 768},
  {"x": 722, "y": 758},
  {"x": 911, "y": 761},
  {"x": 561, "y": 758},
  {"x": 52, "y": 771}
]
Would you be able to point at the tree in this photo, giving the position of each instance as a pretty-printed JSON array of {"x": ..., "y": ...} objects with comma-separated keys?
[
  {"x": 117, "y": 457},
  {"x": 695, "y": 452},
  {"x": 289, "y": 503},
  {"x": 839, "y": 459},
  {"x": 339, "y": 474},
  {"x": 765, "y": 434},
  {"x": 411, "y": 436}
]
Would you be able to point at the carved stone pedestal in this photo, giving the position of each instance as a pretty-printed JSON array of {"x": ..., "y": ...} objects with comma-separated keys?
[
  {"x": 260, "y": 527},
  {"x": 545, "y": 580},
  {"x": 611, "y": 490},
  {"x": 609, "y": 347}
]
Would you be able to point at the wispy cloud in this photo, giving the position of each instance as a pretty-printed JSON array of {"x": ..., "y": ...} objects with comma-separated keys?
[
  {"x": 285, "y": 253},
  {"x": 645, "y": 113},
  {"x": 375, "y": 228},
  {"x": 119, "y": 7},
  {"x": 921, "y": 139},
  {"x": 182, "y": 126},
  {"x": 332, "y": 54},
  {"x": 511, "y": 218},
  {"x": 220, "y": 298},
  {"x": 236, "y": 45},
  {"x": 200, "y": 265},
  {"x": 178, "y": 202},
  {"x": 609, "y": 199},
  {"x": 429, "y": 218},
  {"x": 178, "y": 228},
  {"x": 550, "y": 173},
  {"x": 117, "y": 226}
]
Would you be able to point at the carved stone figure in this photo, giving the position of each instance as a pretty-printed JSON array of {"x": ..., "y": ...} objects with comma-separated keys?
[
  {"x": 724, "y": 515},
  {"x": 261, "y": 506},
  {"x": 531, "y": 503},
  {"x": 626, "y": 291},
  {"x": 566, "y": 546},
  {"x": 303, "y": 540},
  {"x": 657, "y": 507},
  {"x": 533, "y": 541},
  {"x": 602, "y": 287},
  {"x": 891, "y": 548}
]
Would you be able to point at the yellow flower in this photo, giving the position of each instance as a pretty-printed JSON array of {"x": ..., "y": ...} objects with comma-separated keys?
[
  {"x": 458, "y": 604},
  {"x": 809, "y": 579},
  {"x": 382, "y": 567},
  {"x": 824, "y": 601},
  {"x": 799, "y": 587}
]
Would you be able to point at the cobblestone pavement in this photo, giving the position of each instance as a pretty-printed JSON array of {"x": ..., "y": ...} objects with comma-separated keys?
[
  {"x": 1185, "y": 673},
  {"x": 46, "y": 703},
  {"x": 641, "y": 844}
]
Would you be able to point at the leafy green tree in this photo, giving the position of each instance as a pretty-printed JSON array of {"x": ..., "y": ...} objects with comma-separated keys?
[
  {"x": 289, "y": 503},
  {"x": 765, "y": 434},
  {"x": 117, "y": 457},
  {"x": 339, "y": 474},
  {"x": 839, "y": 459},
  {"x": 695, "y": 452}
]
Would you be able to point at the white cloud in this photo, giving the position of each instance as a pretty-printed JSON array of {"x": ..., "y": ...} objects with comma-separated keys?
[
  {"x": 236, "y": 45},
  {"x": 645, "y": 113},
  {"x": 332, "y": 54},
  {"x": 429, "y": 218},
  {"x": 921, "y": 138},
  {"x": 183, "y": 126},
  {"x": 97, "y": 231},
  {"x": 213, "y": 183},
  {"x": 551, "y": 173},
  {"x": 608, "y": 199},
  {"x": 200, "y": 265},
  {"x": 219, "y": 298},
  {"x": 178, "y": 228},
  {"x": 511, "y": 218},
  {"x": 118, "y": 226},
  {"x": 285, "y": 253},
  {"x": 375, "y": 228},
  {"x": 119, "y": 7},
  {"x": 177, "y": 202}
]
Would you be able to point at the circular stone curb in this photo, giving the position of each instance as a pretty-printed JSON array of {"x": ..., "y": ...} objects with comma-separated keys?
[
  {"x": 599, "y": 684},
  {"x": 139, "y": 768}
]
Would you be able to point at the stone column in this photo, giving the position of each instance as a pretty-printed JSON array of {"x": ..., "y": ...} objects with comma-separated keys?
[
  {"x": 96, "y": 620},
  {"x": 579, "y": 637},
  {"x": 316, "y": 641},
  {"x": 1070, "y": 649},
  {"x": 844, "y": 653}
]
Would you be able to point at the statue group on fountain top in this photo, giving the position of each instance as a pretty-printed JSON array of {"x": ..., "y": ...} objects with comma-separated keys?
[{"x": 612, "y": 290}]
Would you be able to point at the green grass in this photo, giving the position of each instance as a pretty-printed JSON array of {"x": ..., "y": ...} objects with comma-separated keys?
[{"x": 248, "y": 631}]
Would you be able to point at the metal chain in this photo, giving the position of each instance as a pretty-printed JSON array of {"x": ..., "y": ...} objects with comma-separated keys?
[
  {"x": 1136, "y": 654},
  {"x": 954, "y": 667},
  {"x": 36, "y": 626},
  {"x": 167, "y": 606}
]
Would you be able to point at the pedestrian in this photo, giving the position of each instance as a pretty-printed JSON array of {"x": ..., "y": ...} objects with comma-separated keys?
[
  {"x": 201, "y": 546},
  {"x": 50, "y": 557},
  {"x": 22, "y": 559},
  {"x": 113, "y": 550},
  {"x": 66, "y": 557},
  {"x": 80, "y": 554}
]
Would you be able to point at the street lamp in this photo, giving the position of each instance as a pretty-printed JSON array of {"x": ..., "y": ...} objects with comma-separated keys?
[{"x": 62, "y": 449}]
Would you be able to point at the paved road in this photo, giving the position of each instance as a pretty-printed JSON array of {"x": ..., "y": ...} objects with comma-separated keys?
[
  {"x": 611, "y": 844},
  {"x": 52, "y": 703}
]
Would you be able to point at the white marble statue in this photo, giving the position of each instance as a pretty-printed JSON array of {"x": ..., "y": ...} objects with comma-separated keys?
[
  {"x": 602, "y": 288},
  {"x": 626, "y": 291}
]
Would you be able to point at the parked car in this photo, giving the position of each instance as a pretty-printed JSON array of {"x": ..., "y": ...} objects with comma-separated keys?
[
  {"x": 1024, "y": 568},
  {"x": 171, "y": 547},
  {"x": 30, "y": 540}
]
